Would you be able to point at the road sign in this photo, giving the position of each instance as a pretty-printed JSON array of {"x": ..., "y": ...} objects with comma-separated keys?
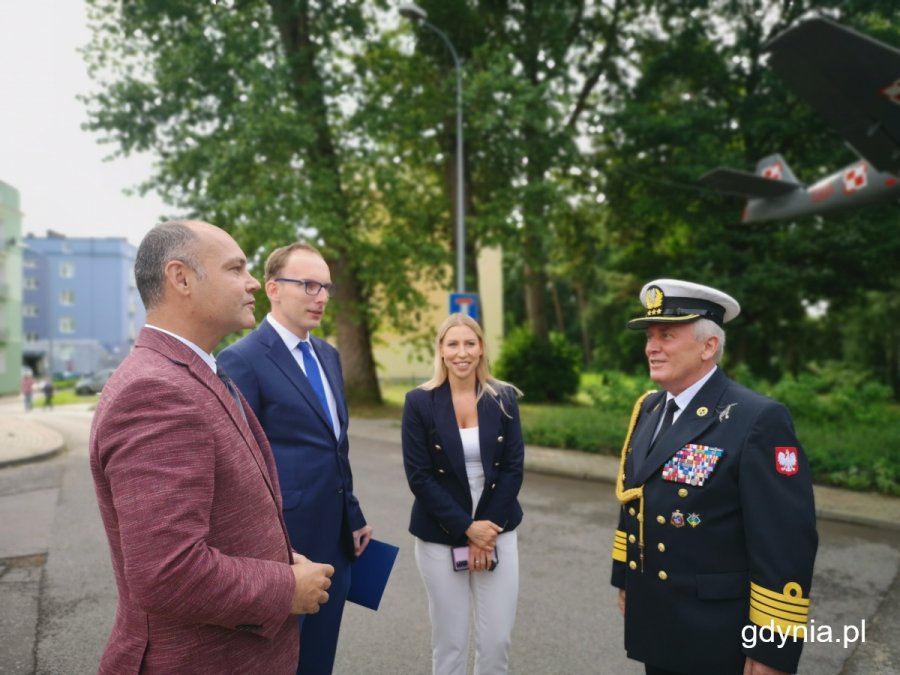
[{"x": 465, "y": 303}]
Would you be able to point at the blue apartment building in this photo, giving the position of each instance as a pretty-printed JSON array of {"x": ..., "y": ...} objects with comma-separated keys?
[{"x": 80, "y": 305}]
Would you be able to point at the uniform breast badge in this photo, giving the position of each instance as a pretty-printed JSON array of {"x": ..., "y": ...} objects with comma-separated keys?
[
  {"x": 725, "y": 413},
  {"x": 677, "y": 518},
  {"x": 693, "y": 464},
  {"x": 693, "y": 519}
]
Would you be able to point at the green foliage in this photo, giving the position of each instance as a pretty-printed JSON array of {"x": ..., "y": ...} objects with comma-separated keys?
[
  {"x": 848, "y": 427},
  {"x": 545, "y": 370},
  {"x": 592, "y": 429},
  {"x": 615, "y": 391},
  {"x": 586, "y": 128}
]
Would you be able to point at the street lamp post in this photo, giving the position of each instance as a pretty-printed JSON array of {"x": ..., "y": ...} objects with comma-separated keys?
[{"x": 412, "y": 11}]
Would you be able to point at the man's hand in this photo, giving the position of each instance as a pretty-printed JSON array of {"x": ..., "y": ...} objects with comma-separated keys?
[
  {"x": 312, "y": 580},
  {"x": 483, "y": 534},
  {"x": 361, "y": 539},
  {"x": 752, "y": 667},
  {"x": 621, "y": 601}
]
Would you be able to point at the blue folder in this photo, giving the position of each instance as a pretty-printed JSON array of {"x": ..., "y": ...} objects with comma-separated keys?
[{"x": 369, "y": 573}]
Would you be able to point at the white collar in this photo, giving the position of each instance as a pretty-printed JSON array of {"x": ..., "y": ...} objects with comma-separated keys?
[{"x": 207, "y": 357}]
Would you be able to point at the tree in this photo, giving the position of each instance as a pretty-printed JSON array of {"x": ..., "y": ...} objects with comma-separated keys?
[
  {"x": 244, "y": 104},
  {"x": 532, "y": 70},
  {"x": 705, "y": 97}
]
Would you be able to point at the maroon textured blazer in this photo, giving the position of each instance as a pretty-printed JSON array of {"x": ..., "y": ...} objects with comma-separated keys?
[{"x": 189, "y": 497}]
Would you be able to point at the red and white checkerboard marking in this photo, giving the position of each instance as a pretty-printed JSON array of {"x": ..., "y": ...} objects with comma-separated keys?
[
  {"x": 772, "y": 172},
  {"x": 892, "y": 92},
  {"x": 856, "y": 178}
]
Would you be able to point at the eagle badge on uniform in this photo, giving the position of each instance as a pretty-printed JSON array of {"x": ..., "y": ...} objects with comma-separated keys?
[{"x": 786, "y": 461}]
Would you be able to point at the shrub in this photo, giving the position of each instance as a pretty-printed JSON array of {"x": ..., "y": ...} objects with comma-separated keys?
[
  {"x": 544, "y": 371},
  {"x": 616, "y": 391}
]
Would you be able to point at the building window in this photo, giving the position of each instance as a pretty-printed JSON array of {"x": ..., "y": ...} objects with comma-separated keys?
[
  {"x": 67, "y": 297},
  {"x": 30, "y": 311},
  {"x": 67, "y": 324},
  {"x": 66, "y": 270},
  {"x": 30, "y": 283},
  {"x": 32, "y": 337}
]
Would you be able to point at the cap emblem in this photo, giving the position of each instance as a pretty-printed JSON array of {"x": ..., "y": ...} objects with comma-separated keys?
[{"x": 653, "y": 300}]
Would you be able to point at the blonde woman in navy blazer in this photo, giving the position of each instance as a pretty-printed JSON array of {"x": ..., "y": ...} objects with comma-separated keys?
[{"x": 463, "y": 454}]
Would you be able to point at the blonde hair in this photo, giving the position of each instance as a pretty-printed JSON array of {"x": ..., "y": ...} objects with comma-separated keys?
[{"x": 486, "y": 382}]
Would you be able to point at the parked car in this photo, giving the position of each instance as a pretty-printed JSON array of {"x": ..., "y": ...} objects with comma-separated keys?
[{"x": 93, "y": 383}]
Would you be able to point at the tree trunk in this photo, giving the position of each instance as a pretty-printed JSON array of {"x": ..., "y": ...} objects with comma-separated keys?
[
  {"x": 586, "y": 350},
  {"x": 354, "y": 338},
  {"x": 353, "y": 332},
  {"x": 535, "y": 302}
]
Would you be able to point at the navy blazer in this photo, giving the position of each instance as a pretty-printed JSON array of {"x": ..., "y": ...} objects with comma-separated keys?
[
  {"x": 320, "y": 509},
  {"x": 736, "y": 550},
  {"x": 436, "y": 468}
]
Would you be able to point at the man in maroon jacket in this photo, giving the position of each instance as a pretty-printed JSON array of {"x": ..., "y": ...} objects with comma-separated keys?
[{"x": 186, "y": 482}]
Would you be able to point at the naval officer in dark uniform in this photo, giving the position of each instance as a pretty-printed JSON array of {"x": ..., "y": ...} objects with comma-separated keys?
[{"x": 714, "y": 550}]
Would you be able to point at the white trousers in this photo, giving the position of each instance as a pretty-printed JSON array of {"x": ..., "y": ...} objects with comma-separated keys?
[{"x": 454, "y": 597}]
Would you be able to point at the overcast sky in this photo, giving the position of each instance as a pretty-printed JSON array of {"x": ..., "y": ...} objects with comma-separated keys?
[{"x": 58, "y": 169}]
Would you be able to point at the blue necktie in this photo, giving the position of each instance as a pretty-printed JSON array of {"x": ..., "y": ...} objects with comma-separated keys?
[{"x": 315, "y": 379}]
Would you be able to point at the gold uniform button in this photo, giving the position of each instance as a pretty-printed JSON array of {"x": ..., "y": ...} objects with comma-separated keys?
[
  {"x": 632, "y": 565},
  {"x": 662, "y": 575},
  {"x": 662, "y": 547},
  {"x": 683, "y": 492},
  {"x": 631, "y": 511},
  {"x": 631, "y": 539},
  {"x": 661, "y": 520}
]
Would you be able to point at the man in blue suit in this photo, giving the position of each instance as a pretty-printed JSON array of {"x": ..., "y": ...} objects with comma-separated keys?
[{"x": 293, "y": 382}]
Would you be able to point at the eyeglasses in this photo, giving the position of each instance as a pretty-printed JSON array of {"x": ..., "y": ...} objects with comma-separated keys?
[{"x": 312, "y": 287}]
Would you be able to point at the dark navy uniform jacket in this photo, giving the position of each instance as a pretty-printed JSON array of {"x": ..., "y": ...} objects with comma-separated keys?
[
  {"x": 436, "y": 467},
  {"x": 729, "y": 533}
]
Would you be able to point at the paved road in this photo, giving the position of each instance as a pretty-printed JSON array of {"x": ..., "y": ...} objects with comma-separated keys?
[{"x": 57, "y": 595}]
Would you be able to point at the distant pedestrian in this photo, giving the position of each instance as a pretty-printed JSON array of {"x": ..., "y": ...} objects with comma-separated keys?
[
  {"x": 48, "y": 394},
  {"x": 28, "y": 390}
]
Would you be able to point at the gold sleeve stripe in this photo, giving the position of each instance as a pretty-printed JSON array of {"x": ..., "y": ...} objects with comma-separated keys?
[
  {"x": 792, "y": 594},
  {"x": 772, "y": 613},
  {"x": 619, "y": 551},
  {"x": 788, "y": 610},
  {"x": 789, "y": 607},
  {"x": 786, "y": 627}
]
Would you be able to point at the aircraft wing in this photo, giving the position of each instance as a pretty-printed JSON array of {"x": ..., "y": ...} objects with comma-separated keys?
[
  {"x": 747, "y": 184},
  {"x": 850, "y": 79}
]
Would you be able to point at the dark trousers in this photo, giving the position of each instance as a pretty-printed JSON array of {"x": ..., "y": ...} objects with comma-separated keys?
[
  {"x": 319, "y": 632},
  {"x": 653, "y": 670}
]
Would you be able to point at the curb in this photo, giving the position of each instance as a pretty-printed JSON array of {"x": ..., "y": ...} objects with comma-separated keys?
[{"x": 24, "y": 441}]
